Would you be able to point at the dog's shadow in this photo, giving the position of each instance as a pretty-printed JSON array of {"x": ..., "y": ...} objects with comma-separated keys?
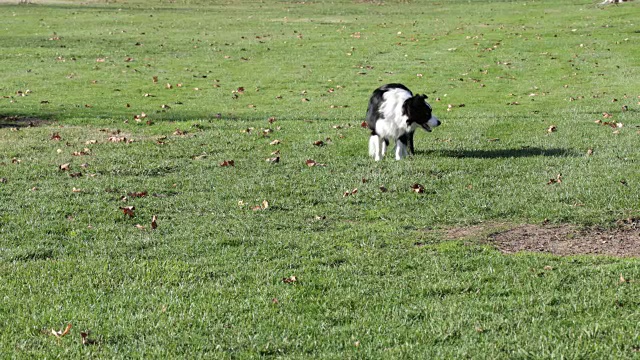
[{"x": 501, "y": 153}]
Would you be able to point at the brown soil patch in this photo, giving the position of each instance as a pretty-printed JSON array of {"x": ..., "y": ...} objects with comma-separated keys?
[
  {"x": 21, "y": 121},
  {"x": 560, "y": 240}
]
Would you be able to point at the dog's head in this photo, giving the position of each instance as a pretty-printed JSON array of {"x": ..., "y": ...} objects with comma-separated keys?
[{"x": 418, "y": 111}]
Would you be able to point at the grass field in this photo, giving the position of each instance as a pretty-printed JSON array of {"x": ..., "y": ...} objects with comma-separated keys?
[{"x": 115, "y": 112}]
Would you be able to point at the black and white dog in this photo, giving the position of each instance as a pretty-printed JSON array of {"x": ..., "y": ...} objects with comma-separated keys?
[{"x": 394, "y": 113}]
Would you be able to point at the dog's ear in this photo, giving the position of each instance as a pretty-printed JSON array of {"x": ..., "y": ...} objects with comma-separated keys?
[
  {"x": 424, "y": 97},
  {"x": 406, "y": 110}
]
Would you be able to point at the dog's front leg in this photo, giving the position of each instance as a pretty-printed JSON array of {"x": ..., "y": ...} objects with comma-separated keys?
[{"x": 401, "y": 147}]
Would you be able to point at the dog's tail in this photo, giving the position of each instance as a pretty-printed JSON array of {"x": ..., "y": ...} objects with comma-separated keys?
[{"x": 374, "y": 144}]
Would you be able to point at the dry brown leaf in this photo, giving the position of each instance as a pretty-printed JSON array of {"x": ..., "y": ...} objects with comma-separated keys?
[
  {"x": 56, "y": 136},
  {"x": 228, "y": 163},
  {"x": 290, "y": 280},
  {"x": 349, "y": 193},
  {"x": 557, "y": 180},
  {"x": 128, "y": 210},
  {"x": 117, "y": 139},
  {"x": 418, "y": 188},
  {"x": 137, "y": 194},
  {"x": 552, "y": 128},
  {"x": 319, "y": 143},
  {"x": 86, "y": 340},
  {"x": 154, "y": 222},
  {"x": 64, "y": 167},
  {"x": 311, "y": 163},
  {"x": 61, "y": 333},
  {"x": 275, "y": 142},
  {"x": 273, "y": 160}
]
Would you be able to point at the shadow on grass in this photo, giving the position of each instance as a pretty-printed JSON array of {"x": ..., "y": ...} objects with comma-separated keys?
[{"x": 502, "y": 153}]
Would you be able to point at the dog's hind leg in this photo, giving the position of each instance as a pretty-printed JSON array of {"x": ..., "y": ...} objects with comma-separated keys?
[{"x": 376, "y": 147}]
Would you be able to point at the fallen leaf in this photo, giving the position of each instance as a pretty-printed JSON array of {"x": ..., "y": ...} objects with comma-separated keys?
[
  {"x": 228, "y": 163},
  {"x": 552, "y": 128},
  {"x": 589, "y": 152},
  {"x": 264, "y": 205},
  {"x": 273, "y": 160},
  {"x": 138, "y": 194},
  {"x": 623, "y": 280},
  {"x": 65, "y": 167},
  {"x": 290, "y": 280},
  {"x": 56, "y": 137},
  {"x": 318, "y": 143},
  {"x": 311, "y": 163},
  {"x": 139, "y": 227},
  {"x": 61, "y": 333},
  {"x": 128, "y": 210},
  {"x": 117, "y": 139},
  {"x": 418, "y": 188},
  {"x": 383, "y": 188},
  {"x": 3, "y": 180},
  {"x": 154, "y": 222},
  {"x": 275, "y": 142},
  {"x": 179, "y": 132},
  {"x": 349, "y": 193},
  {"x": 85, "y": 339},
  {"x": 557, "y": 180},
  {"x": 77, "y": 174}
]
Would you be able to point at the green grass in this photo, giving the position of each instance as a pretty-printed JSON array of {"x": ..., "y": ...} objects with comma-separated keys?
[{"x": 203, "y": 283}]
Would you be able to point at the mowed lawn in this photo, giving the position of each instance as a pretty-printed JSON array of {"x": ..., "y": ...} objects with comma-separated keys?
[{"x": 190, "y": 179}]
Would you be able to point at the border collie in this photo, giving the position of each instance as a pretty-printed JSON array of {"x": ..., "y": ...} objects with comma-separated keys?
[{"x": 394, "y": 113}]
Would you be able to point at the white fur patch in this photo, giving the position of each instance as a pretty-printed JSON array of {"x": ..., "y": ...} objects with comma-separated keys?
[{"x": 394, "y": 123}]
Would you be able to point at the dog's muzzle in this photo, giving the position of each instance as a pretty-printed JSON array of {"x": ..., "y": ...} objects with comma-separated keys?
[{"x": 431, "y": 123}]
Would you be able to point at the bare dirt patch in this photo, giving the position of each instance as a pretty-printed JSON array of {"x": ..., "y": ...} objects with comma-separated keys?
[
  {"x": 21, "y": 121},
  {"x": 563, "y": 240}
]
